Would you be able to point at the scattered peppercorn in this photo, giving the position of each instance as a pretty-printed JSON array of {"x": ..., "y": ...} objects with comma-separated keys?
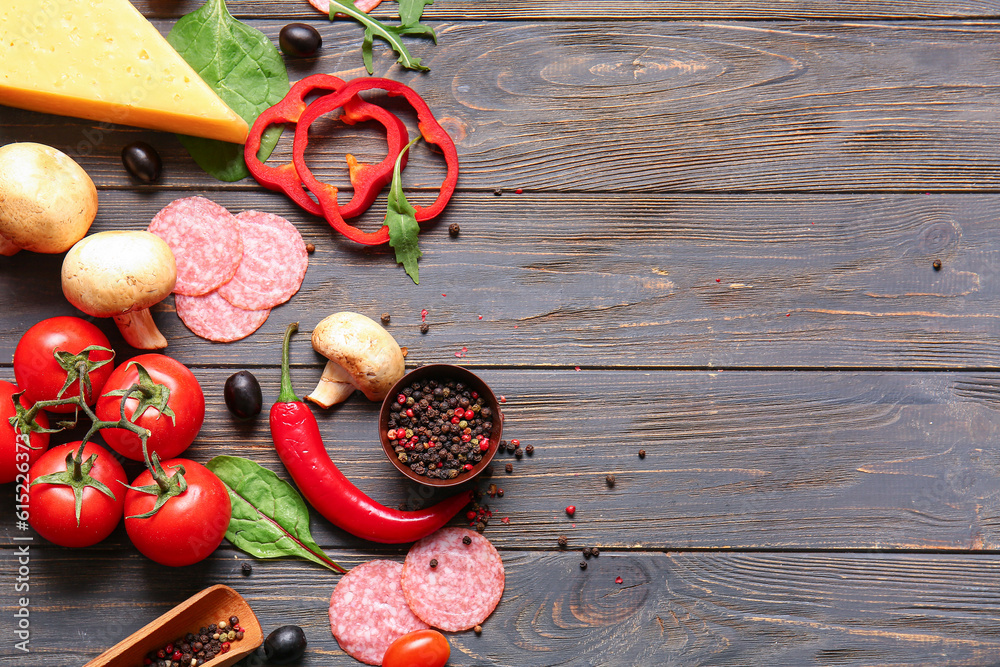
[
  {"x": 509, "y": 468},
  {"x": 466, "y": 540},
  {"x": 529, "y": 450},
  {"x": 562, "y": 541},
  {"x": 595, "y": 552},
  {"x": 385, "y": 318},
  {"x": 518, "y": 452},
  {"x": 586, "y": 552},
  {"x": 610, "y": 480},
  {"x": 434, "y": 562},
  {"x": 497, "y": 192},
  {"x": 583, "y": 565},
  {"x": 571, "y": 510},
  {"x": 310, "y": 248},
  {"x": 453, "y": 229},
  {"x": 478, "y": 629},
  {"x": 642, "y": 453},
  {"x": 424, "y": 327},
  {"x": 499, "y": 493},
  {"x": 247, "y": 568},
  {"x": 937, "y": 264}
]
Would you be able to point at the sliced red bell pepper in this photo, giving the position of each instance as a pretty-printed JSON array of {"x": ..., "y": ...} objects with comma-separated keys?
[
  {"x": 368, "y": 180},
  {"x": 429, "y": 127}
]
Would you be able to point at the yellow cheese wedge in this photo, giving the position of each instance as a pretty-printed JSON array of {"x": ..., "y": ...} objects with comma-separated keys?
[{"x": 102, "y": 60}]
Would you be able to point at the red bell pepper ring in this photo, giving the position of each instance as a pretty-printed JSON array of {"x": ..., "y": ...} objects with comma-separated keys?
[
  {"x": 430, "y": 129},
  {"x": 368, "y": 180}
]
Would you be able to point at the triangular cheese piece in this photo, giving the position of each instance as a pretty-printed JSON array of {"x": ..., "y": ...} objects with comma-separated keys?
[{"x": 102, "y": 60}]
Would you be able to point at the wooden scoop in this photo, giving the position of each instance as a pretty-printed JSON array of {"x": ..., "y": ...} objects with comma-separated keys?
[{"x": 202, "y": 609}]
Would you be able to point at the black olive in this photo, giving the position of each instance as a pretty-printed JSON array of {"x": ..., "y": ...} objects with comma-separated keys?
[
  {"x": 285, "y": 645},
  {"x": 243, "y": 397},
  {"x": 299, "y": 40},
  {"x": 142, "y": 161}
]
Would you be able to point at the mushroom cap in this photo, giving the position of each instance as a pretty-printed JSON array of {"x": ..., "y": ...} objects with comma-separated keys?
[
  {"x": 47, "y": 201},
  {"x": 366, "y": 351},
  {"x": 116, "y": 272}
]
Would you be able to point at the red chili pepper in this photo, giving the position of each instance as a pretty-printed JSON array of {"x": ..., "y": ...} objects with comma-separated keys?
[
  {"x": 300, "y": 447},
  {"x": 368, "y": 180},
  {"x": 429, "y": 127}
]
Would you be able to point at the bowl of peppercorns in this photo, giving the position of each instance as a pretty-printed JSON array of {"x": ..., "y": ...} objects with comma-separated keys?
[{"x": 440, "y": 425}]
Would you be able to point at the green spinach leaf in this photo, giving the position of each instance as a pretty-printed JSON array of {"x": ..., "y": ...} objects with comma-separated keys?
[
  {"x": 270, "y": 518},
  {"x": 391, "y": 34},
  {"x": 402, "y": 221},
  {"x": 240, "y": 64}
]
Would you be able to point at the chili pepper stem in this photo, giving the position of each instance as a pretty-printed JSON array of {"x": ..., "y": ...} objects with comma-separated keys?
[{"x": 287, "y": 392}]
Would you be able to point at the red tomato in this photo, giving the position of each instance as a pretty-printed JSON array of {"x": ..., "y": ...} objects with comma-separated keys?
[
  {"x": 39, "y": 372},
  {"x": 14, "y": 457},
  {"x": 169, "y": 437},
  {"x": 420, "y": 648},
  {"x": 52, "y": 506},
  {"x": 189, "y": 526}
]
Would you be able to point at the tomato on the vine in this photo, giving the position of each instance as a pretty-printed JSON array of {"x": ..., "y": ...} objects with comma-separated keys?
[
  {"x": 47, "y": 358},
  {"x": 420, "y": 648},
  {"x": 190, "y": 525},
  {"x": 69, "y": 496},
  {"x": 16, "y": 456},
  {"x": 173, "y": 423}
]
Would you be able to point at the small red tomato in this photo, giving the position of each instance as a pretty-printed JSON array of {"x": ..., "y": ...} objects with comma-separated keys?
[
  {"x": 42, "y": 375},
  {"x": 53, "y": 506},
  {"x": 169, "y": 436},
  {"x": 189, "y": 526},
  {"x": 420, "y": 648},
  {"x": 16, "y": 456}
]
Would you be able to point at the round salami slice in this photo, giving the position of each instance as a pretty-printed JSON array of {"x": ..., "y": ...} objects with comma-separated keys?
[
  {"x": 273, "y": 266},
  {"x": 368, "y": 611},
  {"x": 205, "y": 239},
  {"x": 212, "y": 317},
  {"x": 463, "y": 586},
  {"x": 364, "y": 5}
]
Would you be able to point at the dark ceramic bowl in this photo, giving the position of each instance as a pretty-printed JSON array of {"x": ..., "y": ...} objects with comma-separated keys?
[{"x": 441, "y": 372}]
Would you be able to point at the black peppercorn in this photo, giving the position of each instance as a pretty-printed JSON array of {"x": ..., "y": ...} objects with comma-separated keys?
[
  {"x": 610, "y": 480},
  {"x": 424, "y": 327},
  {"x": 434, "y": 562},
  {"x": 937, "y": 264},
  {"x": 453, "y": 229},
  {"x": 562, "y": 541},
  {"x": 642, "y": 453},
  {"x": 583, "y": 565},
  {"x": 247, "y": 569},
  {"x": 310, "y": 248},
  {"x": 586, "y": 552},
  {"x": 509, "y": 468},
  {"x": 595, "y": 552},
  {"x": 466, "y": 540},
  {"x": 497, "y": 192},
  {"x": 529, "y": 450},
  {"x": 385, "y": 318}
]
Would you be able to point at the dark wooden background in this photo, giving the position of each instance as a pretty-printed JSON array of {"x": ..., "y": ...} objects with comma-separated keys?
[{"x": 722, "y": 254}]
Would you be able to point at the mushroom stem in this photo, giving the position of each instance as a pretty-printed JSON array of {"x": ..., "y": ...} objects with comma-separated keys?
[
  {"x": 140, "y": 331},
  {"x": 334, "y": 386}
]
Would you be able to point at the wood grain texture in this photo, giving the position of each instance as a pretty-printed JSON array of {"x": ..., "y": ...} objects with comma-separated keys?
[
  {"x": 622, "y": 281},
  {"x": 671, "y": 609},
  {"x": 666, "y": 107},
  {"x": 734, "y": 460}
]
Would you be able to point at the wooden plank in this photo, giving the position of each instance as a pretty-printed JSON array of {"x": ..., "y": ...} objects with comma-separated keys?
[
  {"x": 497, "y": 10},
  {"x": 734, "y": 460},
  {"x": 564, "y": 280},
  {"x": 708, "y": 107},
  {"x": 676, "y": 608}
]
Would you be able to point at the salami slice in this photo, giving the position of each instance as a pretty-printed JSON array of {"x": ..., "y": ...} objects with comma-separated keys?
[
  {"x": 464, "y": 586},
  {"x": 274, "y": 262},
  {"x": 205, "y": 239},
  {"x": 368, "y": 611},
  {"x": 212, "y": 317},
  {"x": 364, "y": 5}
]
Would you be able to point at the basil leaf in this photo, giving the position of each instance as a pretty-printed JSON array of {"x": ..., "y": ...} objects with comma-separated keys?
[
  {"x": 402, "y": 221},
  {"x": 391, "y": 34},
  {"x": 243, "y": 67},
  {"x": 270, "y": 519}
]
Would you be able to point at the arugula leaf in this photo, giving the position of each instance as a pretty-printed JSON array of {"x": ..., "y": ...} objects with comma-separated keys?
[
  {"x": 243, "y": 67},
  {"x": 410, "y": 11},
  {"x": 391, "y": 34},
  {"x": 270, "y": 519},
  {"x": 402, "y": 221}
]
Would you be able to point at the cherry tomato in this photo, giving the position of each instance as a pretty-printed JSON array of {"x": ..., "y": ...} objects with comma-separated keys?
[
  {"x": 14, "y": 457},
  {"x": 189, "y": 526},
  {"x": 37, "y": 370},
  {"x": 420, "y": 648},
  {"x": 53, "y": 508},
  {"x": 168, "y": 436}
]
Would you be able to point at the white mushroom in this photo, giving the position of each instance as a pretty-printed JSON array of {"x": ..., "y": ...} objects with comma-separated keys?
[
  {"x": 362, "y": 355},
  {"x": 47, "y": 201},
  {"x": 120, "y": 274}
]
